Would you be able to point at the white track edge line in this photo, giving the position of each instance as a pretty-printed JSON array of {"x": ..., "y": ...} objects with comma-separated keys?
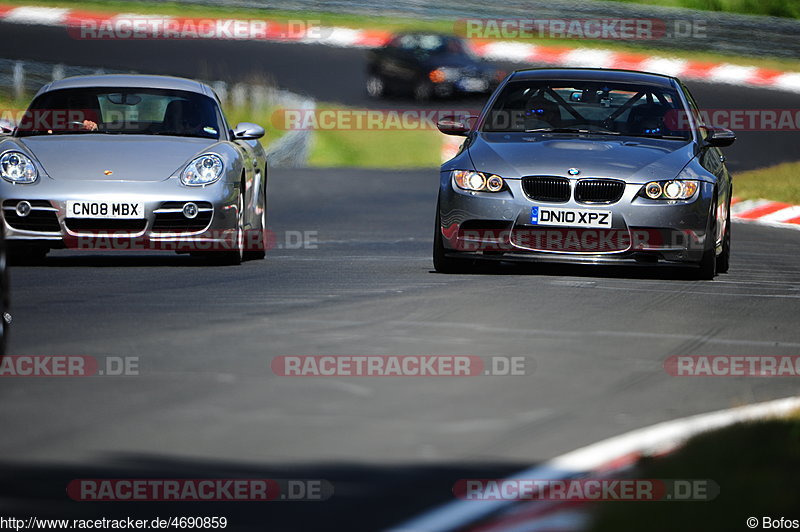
[{"x": 457, "y": 514}]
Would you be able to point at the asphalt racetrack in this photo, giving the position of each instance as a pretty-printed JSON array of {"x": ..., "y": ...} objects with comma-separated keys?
[{"x": 206, "y": 403}]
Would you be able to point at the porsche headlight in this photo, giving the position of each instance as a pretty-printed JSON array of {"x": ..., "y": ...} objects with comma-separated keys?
[
  {"x": 203, "y": 170},
  {"x": 17, "y": 167},
  {"x": 477, "y": 181},
  {"x": 676, "y": 189}
]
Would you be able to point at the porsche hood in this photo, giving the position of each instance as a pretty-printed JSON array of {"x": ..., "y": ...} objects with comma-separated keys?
[{"x": 90, "y": 157}]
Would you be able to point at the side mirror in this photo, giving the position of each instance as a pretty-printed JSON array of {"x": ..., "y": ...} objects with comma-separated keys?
[
  {"x": 720, "y": 137},
  {"x": 6, "y": 127},
  {"x": 247, "y": 131},
  {"x": 451, "y": 125}
]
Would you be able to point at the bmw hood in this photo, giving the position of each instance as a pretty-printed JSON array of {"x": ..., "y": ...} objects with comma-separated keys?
[
  {"x": 90, "y": 157},
  {"x": 636, "y": 160}
]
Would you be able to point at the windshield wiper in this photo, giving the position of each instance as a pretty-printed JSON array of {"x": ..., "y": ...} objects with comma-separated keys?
[{"x": 571, "y": 130}]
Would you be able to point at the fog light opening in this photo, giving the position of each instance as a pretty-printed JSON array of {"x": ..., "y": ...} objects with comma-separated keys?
[
  {"x": 190, "y": 210},
  {"x": 23, "y": 209}
]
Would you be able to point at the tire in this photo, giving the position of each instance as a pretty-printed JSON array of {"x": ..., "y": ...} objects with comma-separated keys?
[
  {"x": 236, "y": 256},
  {"x": 708, "y": 265},
  {"x": 442, "y": 263},
  {"x": 261, "y": 249},
  {"x": 707, "y": 268},
  {"x": 724, "y": 258},
  {"x": 423, "y": 91},
  {"x": 375, "y": 86}
]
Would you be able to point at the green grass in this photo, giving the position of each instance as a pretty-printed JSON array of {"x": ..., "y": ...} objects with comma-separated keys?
[
  {"x": 775, "y": 8},
  {"x": 754, "y": 464},
  {"x": 778, "y": 183},
  {"x": 376, "y": 149},
  {"x": 401, "y": 23}
]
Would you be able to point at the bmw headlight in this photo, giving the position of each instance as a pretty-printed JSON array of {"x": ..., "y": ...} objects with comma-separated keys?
[
  {"x": 17, "y": 167},
  {"x": 477, "y": 181},
  {"x": 677, "y": 189},
  {"x": 203, "y": 170}
]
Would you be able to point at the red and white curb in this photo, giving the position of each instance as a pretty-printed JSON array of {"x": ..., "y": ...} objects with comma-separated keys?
[
  {"x": 601, "y": 459},
  {"x": 450, "y": 146},
  {"x": 766, "y": 212},
  {"x": 496, "y": 50}
]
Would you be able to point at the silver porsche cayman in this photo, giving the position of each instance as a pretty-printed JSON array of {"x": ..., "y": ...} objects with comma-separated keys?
[
  {"x": 129, "y": 162},
  {"x": 590, "y": 166}
]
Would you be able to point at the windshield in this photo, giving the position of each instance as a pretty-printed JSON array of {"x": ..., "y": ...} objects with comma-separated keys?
[
  {"x": 588, "y": 107},
  {"x": 432, "y": 44},
  {"x": 123, "y": 111}
]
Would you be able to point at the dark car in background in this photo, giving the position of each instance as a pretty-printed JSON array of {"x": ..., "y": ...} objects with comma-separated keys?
[{"x": 428, "y": 65}]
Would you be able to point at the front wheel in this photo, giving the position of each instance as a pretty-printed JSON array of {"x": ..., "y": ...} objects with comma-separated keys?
[
  {"x": 235, "y": 256},
  {"x": 707, "y": 268},
  {"x": 708, "y": 265},
  {"x": 724, "y": 258},
  {"x": 260, "y": 250},
  {"x": 423, "y": 91},
  {"x": 375, "y": 87},
  {"x": 441, "y": 262}
]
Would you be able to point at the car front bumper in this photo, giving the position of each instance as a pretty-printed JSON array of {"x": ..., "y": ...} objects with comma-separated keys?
[
  {"x": 163, "y": 226},
  {"x": 498, "y": 226}
]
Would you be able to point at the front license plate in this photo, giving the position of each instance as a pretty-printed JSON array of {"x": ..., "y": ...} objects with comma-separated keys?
[
  {"x": 570, "y": 217},
  {"x": 473, "y": 84},
  {"x": 105, "y": 209}
]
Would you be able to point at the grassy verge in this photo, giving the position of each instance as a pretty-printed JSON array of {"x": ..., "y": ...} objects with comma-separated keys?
[
  {"x": 754, "y": 464},
  {"x": 376, "y": 149},
  {"x": 389, "y": 24},
  {"x": 778, "y": 183},
  {"x": 775, "y": 8}
]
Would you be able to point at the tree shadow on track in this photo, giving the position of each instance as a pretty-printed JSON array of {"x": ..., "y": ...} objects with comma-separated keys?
[
  {"x": 601, "y": 271},
  {"x": 365, "y": 497},
  {"x": 113, "y": 260}
]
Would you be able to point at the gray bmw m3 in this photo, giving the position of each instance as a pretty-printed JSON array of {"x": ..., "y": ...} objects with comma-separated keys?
[
  {"x": 130, "y": 162},
  {"x": 590, "y": 166}
]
